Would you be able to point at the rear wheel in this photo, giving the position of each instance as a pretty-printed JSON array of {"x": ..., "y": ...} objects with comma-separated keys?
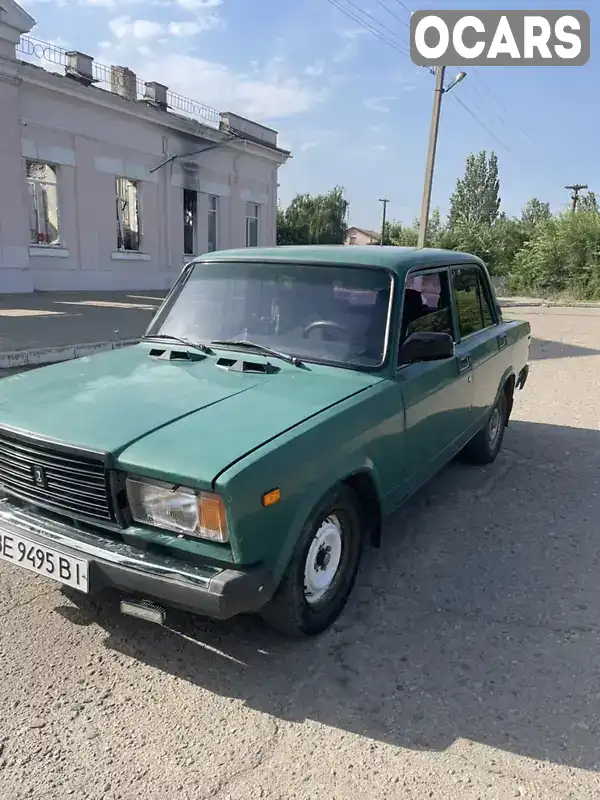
[
  {"x": 322, "y": 572},
  {"x": 485, "y": 446}
]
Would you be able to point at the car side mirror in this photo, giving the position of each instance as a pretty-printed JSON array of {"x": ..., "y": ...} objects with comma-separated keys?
[{"x": 426, "y": 346}]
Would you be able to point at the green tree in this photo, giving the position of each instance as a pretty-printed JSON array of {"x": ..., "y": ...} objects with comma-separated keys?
[
  {"x": 562, "y": 257},
  {"x": 314, "y": 219},
  {"x": 399, "y": 235},
  {"x": 476, "y": 199},
  {"x": 535, "y": 211},
  {"x": 589, "y": 203}
]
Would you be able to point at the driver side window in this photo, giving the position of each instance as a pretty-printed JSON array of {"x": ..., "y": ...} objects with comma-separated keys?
[{"x": 427, "y": 305}]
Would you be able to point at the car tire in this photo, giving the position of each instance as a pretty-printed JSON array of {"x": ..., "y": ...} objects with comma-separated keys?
[
  {"x": 323, "y": 568},
  {"x": 485, "y": 446}
]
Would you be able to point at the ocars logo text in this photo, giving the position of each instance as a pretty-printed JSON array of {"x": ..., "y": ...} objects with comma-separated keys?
[{"x": 501, "y": 38}]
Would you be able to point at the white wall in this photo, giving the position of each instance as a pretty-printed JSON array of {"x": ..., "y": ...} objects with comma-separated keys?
[{"x": 93, "y": 136}]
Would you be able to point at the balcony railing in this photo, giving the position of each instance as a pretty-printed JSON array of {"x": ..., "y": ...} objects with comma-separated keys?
[{"x": 35, "y": 50}]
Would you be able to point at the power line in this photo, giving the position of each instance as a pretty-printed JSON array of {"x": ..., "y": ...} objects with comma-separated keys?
[
  {"x": 367, "y": 27},
  {"x": 393, "y": 13},
  {"x": 499, "y": 101},
  {"x": 406, "y": 8},
  {"x": 483, "y": 125},
  {"x": 376, "y": 21},
  {"x": 532, "y": 156}
]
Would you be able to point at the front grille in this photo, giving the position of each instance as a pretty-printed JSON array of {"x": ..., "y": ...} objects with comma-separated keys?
[{"x": 40, "y": 473}]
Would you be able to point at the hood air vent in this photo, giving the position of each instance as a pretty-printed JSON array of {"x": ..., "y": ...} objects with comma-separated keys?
[
  {"x": 168, "y": 354},
  {"x": 243, "y": 365}
]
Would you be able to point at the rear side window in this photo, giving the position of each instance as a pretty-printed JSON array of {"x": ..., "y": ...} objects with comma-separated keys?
[{"x": 472, "y": 302}]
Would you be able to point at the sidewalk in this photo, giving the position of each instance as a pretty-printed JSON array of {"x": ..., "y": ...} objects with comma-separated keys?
[{"x": 44, "y": 327}]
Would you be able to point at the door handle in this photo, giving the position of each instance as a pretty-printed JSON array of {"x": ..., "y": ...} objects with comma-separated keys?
[
  {"x": 464, "y": 364},
  {"x": 502, "y": 341}
]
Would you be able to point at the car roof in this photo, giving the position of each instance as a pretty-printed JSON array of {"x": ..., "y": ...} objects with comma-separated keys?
[{"x": 396, "y": 259}]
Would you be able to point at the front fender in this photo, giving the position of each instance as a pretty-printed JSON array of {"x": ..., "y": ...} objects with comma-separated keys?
[
  {"x": 304, "y": 464},
  {"x": 316, "y": 492}
]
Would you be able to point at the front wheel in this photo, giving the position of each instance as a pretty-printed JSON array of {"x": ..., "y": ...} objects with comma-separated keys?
[
  {"x": 485, "y": 446},
  {"x": 322, "y": 572}
]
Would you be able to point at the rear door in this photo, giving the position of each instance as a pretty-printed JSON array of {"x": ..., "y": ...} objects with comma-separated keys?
[{"x": 479, "y": 335}]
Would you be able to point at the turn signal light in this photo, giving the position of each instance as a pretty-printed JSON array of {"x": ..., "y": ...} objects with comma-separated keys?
[{"x": 272, "y": 497}]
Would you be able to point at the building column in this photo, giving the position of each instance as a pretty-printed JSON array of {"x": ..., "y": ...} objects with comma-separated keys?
[{"x": 15, "y": 275}]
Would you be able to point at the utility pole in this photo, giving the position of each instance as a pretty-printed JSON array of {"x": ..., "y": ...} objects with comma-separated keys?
[
  {"x": 440, "y": 73},
  {"x": 433, "y": 135},
  {"x": 385, "y": 201},
  {"x": 576, "y": 188}
]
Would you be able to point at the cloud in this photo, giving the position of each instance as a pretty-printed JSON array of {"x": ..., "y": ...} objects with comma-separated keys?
[
  {"x": 185, "y": 28},
  {"x": 306, "y": 146},
  {"x": 267, "y": 91},
  {"x": 141, "y": 29},
  {"x": 378, "y": 104},
  {"x": 315, "y": 70},
  {"x": 199, "y": 5},
  {"x": 349, "y": 49},
  {"x": 203, "y": 10},
  {"x": 144, "y": 30},
  {"x": 352, "y": 33},
  {"x": 379, "y": 130}
]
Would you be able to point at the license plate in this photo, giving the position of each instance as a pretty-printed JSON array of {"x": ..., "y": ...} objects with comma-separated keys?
[{"x": 44, "y": 561}]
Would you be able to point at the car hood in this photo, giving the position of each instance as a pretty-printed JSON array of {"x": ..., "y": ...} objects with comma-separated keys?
[{"x": 177, "y": 420}]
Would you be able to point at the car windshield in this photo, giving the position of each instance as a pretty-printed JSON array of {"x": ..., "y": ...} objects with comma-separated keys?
[{"x": 316, "y": 313}]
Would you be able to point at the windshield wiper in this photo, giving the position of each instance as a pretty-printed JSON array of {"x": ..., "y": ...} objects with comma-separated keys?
[
  {"x": 260, "y": 347},
  {"x": 181, "y": 339}
]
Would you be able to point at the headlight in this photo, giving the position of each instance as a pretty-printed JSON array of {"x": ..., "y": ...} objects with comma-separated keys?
[{"x": 183, "y": 511}]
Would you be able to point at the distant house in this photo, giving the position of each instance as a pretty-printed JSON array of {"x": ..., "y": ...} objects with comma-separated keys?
[{"x": 362, "y": 236}]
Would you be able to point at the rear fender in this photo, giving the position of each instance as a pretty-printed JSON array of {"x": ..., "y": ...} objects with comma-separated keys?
[{"x": 507, "y": 381}]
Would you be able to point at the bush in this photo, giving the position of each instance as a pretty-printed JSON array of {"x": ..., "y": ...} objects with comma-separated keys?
[{"x": 562, "y": 257}]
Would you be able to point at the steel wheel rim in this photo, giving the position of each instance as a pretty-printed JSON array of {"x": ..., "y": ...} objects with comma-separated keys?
[
  {"x": 494, "y": 426},
  {"x": 323, "y": 560}
]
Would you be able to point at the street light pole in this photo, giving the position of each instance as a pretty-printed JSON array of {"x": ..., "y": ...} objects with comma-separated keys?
[{"x": 440, "y": 74}]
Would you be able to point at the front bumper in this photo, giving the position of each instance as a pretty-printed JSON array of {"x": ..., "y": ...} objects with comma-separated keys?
[{"x": 200, "y": 588}]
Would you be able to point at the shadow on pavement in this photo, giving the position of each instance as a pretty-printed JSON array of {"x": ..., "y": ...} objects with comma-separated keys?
[
  {"x": 478, "y": 620},
  {"x": 542, "y": 349}
]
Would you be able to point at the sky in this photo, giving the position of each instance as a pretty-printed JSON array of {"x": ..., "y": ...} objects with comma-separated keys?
[{"x": 335, "y": 79}]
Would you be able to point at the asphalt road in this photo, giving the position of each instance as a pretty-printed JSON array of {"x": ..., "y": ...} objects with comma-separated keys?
[{"x": 467, "y": 664}]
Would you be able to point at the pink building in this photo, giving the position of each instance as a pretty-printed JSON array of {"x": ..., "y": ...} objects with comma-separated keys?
[{"x": 102, "y": 184}]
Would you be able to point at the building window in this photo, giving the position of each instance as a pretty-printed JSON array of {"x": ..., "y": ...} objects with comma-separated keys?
[
  {"x": 128, "y": 216},
  {"x": 213, "y": 212},
  {"x": 42, "y": 183},
  {"x": 353, "y": 240},
  {"x": 252, "y": 211},
  {"x": 190, "y": 221}
]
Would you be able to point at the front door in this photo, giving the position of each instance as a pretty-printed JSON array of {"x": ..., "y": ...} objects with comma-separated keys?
[{"x": 437, "y": 395}]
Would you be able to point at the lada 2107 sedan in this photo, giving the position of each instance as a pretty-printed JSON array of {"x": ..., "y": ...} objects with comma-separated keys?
[{"x": 282, "y": 403}]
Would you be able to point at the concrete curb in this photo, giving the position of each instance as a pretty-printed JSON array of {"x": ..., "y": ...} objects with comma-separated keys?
[
  {"x": 506, "y": 302},
  {"x": 52, "y": 355}
]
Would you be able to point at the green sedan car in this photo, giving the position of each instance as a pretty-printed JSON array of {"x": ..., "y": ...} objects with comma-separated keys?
[{"x": 282, "y": 403}]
